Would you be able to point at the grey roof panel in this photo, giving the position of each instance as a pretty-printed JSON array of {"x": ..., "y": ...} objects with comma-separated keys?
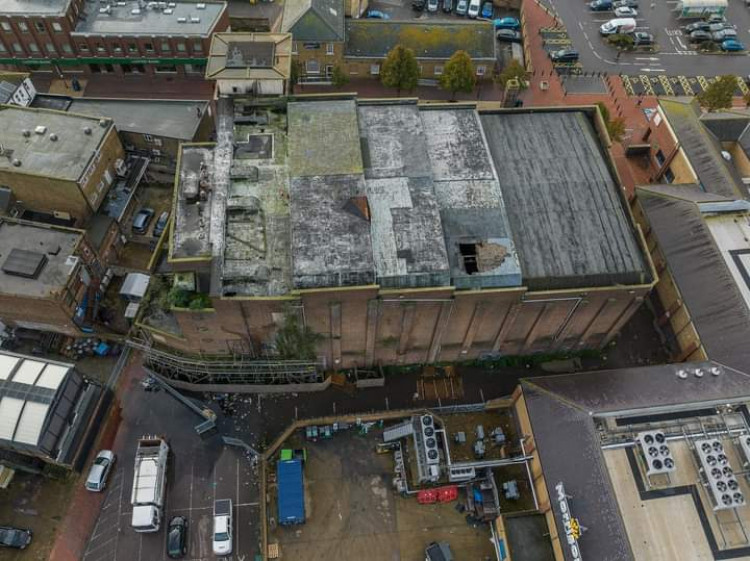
[
  {"x": 726, "y": 126},
  {"x": 568, "y": 220},
  {"x": 23, "y": 263},
  {"x": 313, "y": 21}
]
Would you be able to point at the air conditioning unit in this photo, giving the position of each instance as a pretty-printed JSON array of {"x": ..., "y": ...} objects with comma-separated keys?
[
  {"x": 429, "y": 437},
  {"x": 121, "y": 168},
  {"x": 723, "y": 486},
  {"x": 458, "y": 474},
  {"x": 745, "y": 447},
  {"x": 656, "y": 453}
]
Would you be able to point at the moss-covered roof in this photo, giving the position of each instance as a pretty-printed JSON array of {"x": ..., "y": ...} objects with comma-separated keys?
[{"x": 435, "y": 40}]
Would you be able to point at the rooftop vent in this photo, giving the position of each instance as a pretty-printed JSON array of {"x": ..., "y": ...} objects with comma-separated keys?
[
  {"x": 16, "y": 162},
  {"x": 26, "y": 133},
  {"x": 53, "y": 137},
  {"x": 200, "y": 6},
  {"x": 182, "y": 20},
  {"x": 135, "y": 11},
  {"x": 41, "y": 129},
  {"x": 656, "y": 453},
  {"x": 682, "y": 374},
  {"x": 172, "y": 4},
  {"x": 106, "y": 9},
  {"x": 698, "y": 372},
  {"x": 195, "y": 19},
  {"x": 86, "y": 130},
  {"x": 103, "y": 122},
  {"x": 168, "y": 11}
]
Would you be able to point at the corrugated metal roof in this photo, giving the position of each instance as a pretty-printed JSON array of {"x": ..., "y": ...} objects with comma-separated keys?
[
  {"x": 7, "y": 365},
  {"x": 31, "y": 422},
  {"x": 10, "y": 411},
  {"x": 52, "y": 376},
  {"x": 28, "y": 372}
]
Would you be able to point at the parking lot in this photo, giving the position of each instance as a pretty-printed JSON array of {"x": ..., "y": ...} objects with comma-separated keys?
[
  {"x": 673, "y": 56},
  {"x": 401, "y": 10},
  {"x": 199, "y": 472}
]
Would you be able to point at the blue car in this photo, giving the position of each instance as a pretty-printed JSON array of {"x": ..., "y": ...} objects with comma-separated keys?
[
  {"x": 377, "y": 14},
  {"x": 487, "y": 10},
  {"x": 507, "y": 23},
  {"x": 732, "y": 46}
]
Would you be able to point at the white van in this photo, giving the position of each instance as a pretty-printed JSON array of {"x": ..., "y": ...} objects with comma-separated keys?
[
  {"x": 474, "y": 7},
  {"x": 619, "y": 25}
]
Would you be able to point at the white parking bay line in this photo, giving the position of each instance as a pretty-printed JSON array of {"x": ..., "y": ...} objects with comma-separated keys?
[{"x": 652, "y": 70}]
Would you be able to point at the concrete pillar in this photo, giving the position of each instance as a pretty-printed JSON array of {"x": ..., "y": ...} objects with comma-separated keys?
[
  {"x": 409, "y": 311},
  {"x": 629, "y": 310},
  {"x": 335, "y": 311},
  {"x": 505, "y": 326},
  {"x": 373, "y": 312},
  {"x": 446, "y": 309},
  {"x": 534, "y": 331},
  {"x": 471, "y": 331}
]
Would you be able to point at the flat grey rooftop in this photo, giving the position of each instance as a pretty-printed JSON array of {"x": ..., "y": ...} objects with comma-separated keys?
[
  {"x": 331, "y": 240},
  {"x": 65, "y": 158},
  {"x": 55, "y": 244},
  {"x": 407, "y": 235},
  {"x": 567, "y": 217},
  {"x": 151, "y": 22},
  {"x": 34, "y": 7},
  {"x": 323, "y": 138},
  {"x": 177, "y": 119},
  {"x": 191, "y": 233}
]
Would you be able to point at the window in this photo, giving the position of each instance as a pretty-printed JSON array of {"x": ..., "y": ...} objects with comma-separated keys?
[
  {"x": 195, "y": 68},
  {"x": 294, "y": 47},
  {"x": 669, "y": 176},
  {"x": 438, "y": 70},
  {"x": 56, "y": 27},
  {"x": 2, "y": 48},
  {"x": 95, "y": 68},
  {"x": 83, "y": 47},
  {"x": 100, "y": 48},
  {"x": 33, "y": 47},
  {"x": 67, "y": 48},
  {"x": 149, "y": 47},
  {"x": 126, "y": 68},
  {"x": 132, "y": 47},
  {"x": 165, "y": 46},
  {"x": 148, "y": 138},
  {"x": 375, "y": 69},
  {"x": 329, "y": 48},
  {"x": 165, "y": 68},
  {"x": 39, "y": 26},
  {"x": 198, "y": 47},
  {"x": 17, "y": 48},
  {"x": 312, "y": 67},
  {"x": 181, "y": 47},
  {"x": 481, "y": 70},
  {"x": 311, "y": 46},
  {"x": 23, "y": 27},
  {"x": 660, "y": 158},
  {"x": 5, "y": 25},
  {"x": 50, "y": 48},
  {"x": 156, "y": 152},
  {"x": 116, "y": 48},
  {"x": 156, "y": 141},
  {"x": 329, "y": 70}
]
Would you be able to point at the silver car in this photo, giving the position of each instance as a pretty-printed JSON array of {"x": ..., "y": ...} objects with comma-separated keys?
[{"x": 97, "y": 479}]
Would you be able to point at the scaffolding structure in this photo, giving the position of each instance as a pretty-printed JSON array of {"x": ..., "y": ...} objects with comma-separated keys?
[{"x": 234, "y": 369}]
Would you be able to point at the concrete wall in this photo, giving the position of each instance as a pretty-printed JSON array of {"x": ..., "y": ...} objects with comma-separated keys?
[
  {"x": 100, "y": 175},
  {"x": 261, "y": 87}
]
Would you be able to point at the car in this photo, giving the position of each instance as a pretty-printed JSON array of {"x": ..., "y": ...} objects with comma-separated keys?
[
  {"x": 447, "y": 6},
  {"x": 697, "y": 26},
  {"x": 142, "y": 219},
  {"x": 376, "y": 14},
  {"x": 713, "y": 27},
  {"x": 474, "y": 8},
  {"x": 699, "y": 36},
  {"x": 625, "y": 12},
  {"x": 732, "y": 46},
  {"x": 508, "y": 35},
  {"x": 418, "y": 5},
  {"x": 462, "y": 7},
  {"x": 17, "y": 538},
  {"x": 99, "y": 471},
  {"x": 625, "y": 4},
  {"x": 161, "y": 223},
  {"x": 507, "y": 23},
  {"x": 487, "y": 10},
  {"x": 433, "y": 5},
  {"x": 600, "y": 5},
  {"x": 642, "y": 38},
  {"x": 177, "y": 537},
  {"x": 564, "y": 55},
  {"x": 716, "y": 18},
  {"x": 723, "y": 35}
]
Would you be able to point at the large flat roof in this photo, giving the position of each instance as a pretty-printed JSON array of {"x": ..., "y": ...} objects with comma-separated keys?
[
  {"x": 172, "y": 118},
  {"x": 33, "y": 7},
  {"x": 77, "y": 139},
  {"x": 192, "y": 218},
  {"x": 53, "y": 245},
  {"x": 138, "y": 19},
  {"x": 569, "y": 222}
]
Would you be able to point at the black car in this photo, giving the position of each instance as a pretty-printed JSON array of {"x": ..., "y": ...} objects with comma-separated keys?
[
  {"x": 700, "y": 36},
  {"x": 14, "y": 537},
  {"x": 564, "y": 55},
  {"x": 177, "y": 537},
  {"x": 508, "y": 35},
  {"x": 642, "y": 38},
  {"x": 698, "y": 26},
  {"x": 447, "y": 6},
  {"x": 419, "y": 5}
]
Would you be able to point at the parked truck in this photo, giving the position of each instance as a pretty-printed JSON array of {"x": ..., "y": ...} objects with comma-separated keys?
[
  {"x": 149, "y": 483},
  {"x": 291, "y": 499},
  {"x": 222, "y": 541}
]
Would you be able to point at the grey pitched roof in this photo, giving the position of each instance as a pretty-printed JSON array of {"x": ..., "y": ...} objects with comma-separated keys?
[
  {"x": 314, "y": 21},
  {"x": 687, "y": 191},
  {"x": 726, "y": 126},
  {"x": 719, "y": 314},
  {"x": 744, "y": 141},
  {"x": 429, "y": 40},
  {"x": 702, "y": 148}
]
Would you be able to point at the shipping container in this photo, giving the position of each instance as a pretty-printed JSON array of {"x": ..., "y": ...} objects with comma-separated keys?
[{"x": 291, "y": 500}]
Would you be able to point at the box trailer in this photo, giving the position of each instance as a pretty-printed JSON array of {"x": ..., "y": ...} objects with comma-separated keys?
[
  {"x": 291, "y": 499},
  {"x": 695, "y": 9},
  {"x": 149, "y": 483}
]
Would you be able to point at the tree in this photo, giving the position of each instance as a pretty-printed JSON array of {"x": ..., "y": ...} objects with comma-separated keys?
[
  {"x": 294, "y": 75},
  {"x": 622, "y": 41},
  {"x": 400, "y": 70},
  {"x": 458, "y": 74},
  {"x": 513, "y": 70},
  {"x": 295, "y": 341},
  {"x": 615, "y": 127},
  {"x": 338, "y": 78},
  {"x": 719, "y": 94}
]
